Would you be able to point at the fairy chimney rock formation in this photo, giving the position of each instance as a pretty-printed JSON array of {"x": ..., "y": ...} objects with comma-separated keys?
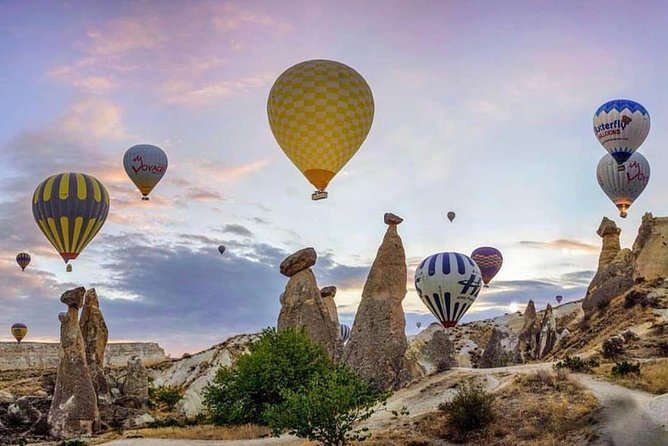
[
  {"x": 299, "y": 261},
  {"x": 74, "y": 411},
  {"x": 609, "y": 232},
  {"x": 377, "y": 344},
  {"x": 651, "y": 249},
  {"x": 548, "y": 333},
  {"x": 302, "y": 304},
  {"x": 95, "y": 335},
  {"x": 135, "y": 385},
  {"x": 529, "y": 335},
  {"x": 327, "y": 294}
]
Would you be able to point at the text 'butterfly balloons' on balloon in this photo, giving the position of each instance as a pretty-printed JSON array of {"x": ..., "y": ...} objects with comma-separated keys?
[
  {"x": 623, "y": 187},
  {"x": 320, "y": 112},
  {"x": 448, "y": 283},
  {"x": 621, "y": 126}
]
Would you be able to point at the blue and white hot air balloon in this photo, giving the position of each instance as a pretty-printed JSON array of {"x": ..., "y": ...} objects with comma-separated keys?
[
  {"x": 448, "y": 283},
  {"x": 621, "y": 126},
  {"x": 345, "y": 332}
]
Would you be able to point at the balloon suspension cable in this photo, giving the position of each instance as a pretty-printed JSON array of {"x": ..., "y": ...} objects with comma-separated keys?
[{"x": 318, "y": 195}]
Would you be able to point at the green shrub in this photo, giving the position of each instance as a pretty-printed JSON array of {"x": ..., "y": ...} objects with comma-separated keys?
[
  {"x": 277, "y": 362},
  {"x": 612, "y": 347},
  {"x": 624, "y": 368},
  {"x": 167, "y": 395},
  {"x": 471, "y": 409},
  {"x": 576, "y": 364},
  {"x": 72, "y": 443},
  {"x": 328, "y": 409}
]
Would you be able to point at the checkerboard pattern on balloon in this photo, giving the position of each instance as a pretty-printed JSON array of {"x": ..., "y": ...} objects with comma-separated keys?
[{"x": 320, "y": 112}]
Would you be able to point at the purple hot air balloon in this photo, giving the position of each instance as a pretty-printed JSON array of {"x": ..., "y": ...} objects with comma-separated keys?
[
  {"x": 489, "y": 260},
  {"x": 559, "y": 298}
]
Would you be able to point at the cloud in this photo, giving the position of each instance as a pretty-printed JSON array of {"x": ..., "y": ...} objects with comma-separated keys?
[
  {"x": 238, "y": 230},
  {"x": 573, "y": 245},
  {"x": 193, "y": 94}
]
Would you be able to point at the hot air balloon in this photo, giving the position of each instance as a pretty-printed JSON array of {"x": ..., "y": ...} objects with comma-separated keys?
[
  {"x": 418, "y": 325},
  {"x": 625, "y": 186},
  {"x": 19, "y": 331},
  {"x": 23, "y": 259},
  {"x": 345, "y": 332},
  {"x": 145, "y": 164},
  {"x": 621, "y": 126},
  {"x": 448, "y": 283},
  {"x": 320, "y": 113},
  {"x": 451, "y": 216},
  {"x": 559, "y": 299},
  {"x": 489, "y": 260},
  {"x": 221, "y": 249},
  {"x": 70, "y": 209}
]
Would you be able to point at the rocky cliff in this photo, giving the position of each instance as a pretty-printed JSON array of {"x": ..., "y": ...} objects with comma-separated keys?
[{"x": 28, "y": 355}]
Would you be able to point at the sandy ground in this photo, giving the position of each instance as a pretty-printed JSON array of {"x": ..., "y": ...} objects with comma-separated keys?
[{"x": 282, "y": 441}]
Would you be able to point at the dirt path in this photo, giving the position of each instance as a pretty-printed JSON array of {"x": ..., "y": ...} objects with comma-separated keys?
[
  {"x": 282, "y": 441},
  {"x": 625, "y": 420}
]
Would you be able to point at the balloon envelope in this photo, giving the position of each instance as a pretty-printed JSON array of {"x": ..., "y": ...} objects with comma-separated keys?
[
  {"x": 451, "y": 216},
  {"x": 145, "y": 164},
  {"x": 448, "y": 283},
  {"x": 221, "y": 249},
  {"x": 623, "y": 187},
  {"x": 19, "y": 331},
  {"x": 559, "y": 299},
  {"x": 621, "y": 126},
  {"x": 23, "y": 259},
  {"x": 320, "y": 112},
  {"x": 489, "y": 260},
  {"x": 70, "y": 209},
  {"x": 418, "y": 324},
  {"x": 345, "y": 332}
]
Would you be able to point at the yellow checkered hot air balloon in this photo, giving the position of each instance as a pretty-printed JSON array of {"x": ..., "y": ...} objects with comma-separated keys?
[
  {"x": 70, "y": 209},
  {"x": 320, "y": 113}
]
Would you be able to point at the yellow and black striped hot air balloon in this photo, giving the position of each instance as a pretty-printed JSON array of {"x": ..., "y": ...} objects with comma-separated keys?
[
  {"x": 23, "y": 259},
  {"x": 70, "y": 209}
]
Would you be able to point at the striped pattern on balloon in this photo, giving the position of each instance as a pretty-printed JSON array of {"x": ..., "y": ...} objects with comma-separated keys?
[
  {"x": 448, "y": 283},
  {"x": 489, "y": 260},
  {"x": 23, "y": 259},
  {"x": 344, "y": 331}
]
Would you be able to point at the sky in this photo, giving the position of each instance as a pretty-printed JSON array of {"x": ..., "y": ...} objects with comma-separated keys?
[{"x": 481, "y": 107}]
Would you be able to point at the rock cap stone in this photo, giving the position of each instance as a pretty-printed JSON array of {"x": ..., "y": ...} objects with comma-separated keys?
[
  {"x": 328, "y": 291},
  {"x": 74, "y": 297},
  {"x": 392, "y": 219},
  {"x": 299, "y": 261},
  {"x": 608, "y": 226}
]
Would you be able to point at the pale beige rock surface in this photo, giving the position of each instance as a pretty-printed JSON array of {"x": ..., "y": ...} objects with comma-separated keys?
[{"x": 95, "y": 335}]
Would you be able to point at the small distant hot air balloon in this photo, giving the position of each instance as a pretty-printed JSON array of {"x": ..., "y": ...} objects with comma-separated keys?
[
  {"x": 489, "y": 260},
  {"x": 559, "y": 299},
  {"x": 23, "y": 259},
  {"x": 451, "y": 216},
  {"x": 145, "y": 164},
  {"x": 345, "y": 332},
  {"x": 623, "y": 187},
  {"x": 418, "y": 325},
  {"x": 221, "y": 249},
  {"x": 68, "y": 268},
  {"x": 70, "y": 209},
  {"x": 320, "y": 112},
  {"x": 19, "y": 331},
  {"x": 621, "y": 126},
  {"x": 448, "y": 283}
]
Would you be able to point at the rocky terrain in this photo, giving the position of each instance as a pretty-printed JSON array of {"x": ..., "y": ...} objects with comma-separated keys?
[{"x": 626, "y": 305}]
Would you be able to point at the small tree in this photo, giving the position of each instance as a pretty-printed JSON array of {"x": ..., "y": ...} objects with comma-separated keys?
[
  {"x": 167, "y": 395},
  {"x": 278, "y": 361},
  {"x": 612, "y": 347},
  {"x": 471, "y": 409},
  {"x": 328, "y": 410}
]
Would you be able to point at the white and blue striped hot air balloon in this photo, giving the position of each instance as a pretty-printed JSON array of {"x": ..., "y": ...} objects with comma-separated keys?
[
  {"x": 345, "y": 332},
  {"x": 623, "y": 187},
  {"x": 621, "y": 126},
  {"x": 448, "y": 283}
]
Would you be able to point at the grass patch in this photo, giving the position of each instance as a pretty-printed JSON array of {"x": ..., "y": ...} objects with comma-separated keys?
[
  {"x": 653, "y": 377},
  {"x": 204, "y": 432}
]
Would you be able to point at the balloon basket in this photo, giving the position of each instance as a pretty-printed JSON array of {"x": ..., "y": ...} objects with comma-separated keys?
[
  {"x": 621, "y": 168},
  {"x": 144, "y": 199},
  {"x": 318, "y": 195}
]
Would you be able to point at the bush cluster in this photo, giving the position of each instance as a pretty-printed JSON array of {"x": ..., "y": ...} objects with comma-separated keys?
[
  {"x": 612, "y": 347},
  {"x": 167, "y": 395},
  {"x": 625, "y": 368},
  {"x": 576, "y": 364},
  {"x": 470, "y": 410}
]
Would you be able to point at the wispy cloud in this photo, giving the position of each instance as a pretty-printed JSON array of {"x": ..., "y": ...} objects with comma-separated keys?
[{"x": 564, "y": 244}]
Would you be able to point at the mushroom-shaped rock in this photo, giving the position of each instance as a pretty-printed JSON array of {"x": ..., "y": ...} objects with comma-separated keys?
[
  {"x": 299, "y": 261},
  {"x": 74, "y": 298},
  {"x": 609, "y": 232},
  {"x": 392, "y": 219},
  {"x": 328, "y": 291}
]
